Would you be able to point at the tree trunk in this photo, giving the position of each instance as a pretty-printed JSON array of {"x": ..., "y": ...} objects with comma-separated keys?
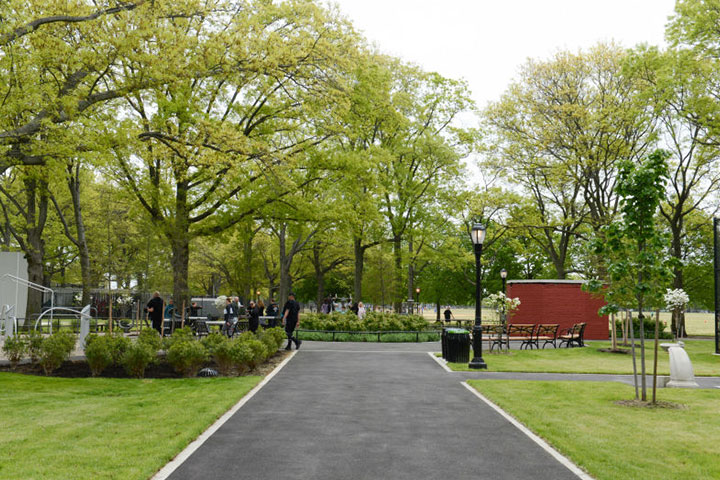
[
  {"x": 319, "y": 275},
  {"x": 359, "y": 267},
  {"x": 247, "y": 267},
  {"x": 82, "y": 245},
  {"x": 179, "y": 237},
  {"x": 411, "y": 271},
  {"x": 284, "y": 266},
  {"x": 36, "y": 215},
  {"x": 397, "y": 253}
]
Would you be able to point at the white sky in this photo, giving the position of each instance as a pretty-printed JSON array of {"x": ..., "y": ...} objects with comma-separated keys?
[{"x": 485, "y": 41}]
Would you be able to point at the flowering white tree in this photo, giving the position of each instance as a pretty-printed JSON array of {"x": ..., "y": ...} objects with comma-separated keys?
[
  {"x": 220, "y": 302},
  {"x": 502, "y": 304},
  {"x": 675, "y": 301}
]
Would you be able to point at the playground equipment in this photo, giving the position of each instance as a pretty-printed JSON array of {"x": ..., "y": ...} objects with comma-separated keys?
[{"x": 26, "y": 283}]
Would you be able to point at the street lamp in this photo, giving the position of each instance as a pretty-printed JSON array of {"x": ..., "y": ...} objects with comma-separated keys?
[
  {"x": 477, "y": 234},
  {"x": 503, "y": 275},
  {"x": 257, "y": 296},
  {"x": 417, "y": 299}
]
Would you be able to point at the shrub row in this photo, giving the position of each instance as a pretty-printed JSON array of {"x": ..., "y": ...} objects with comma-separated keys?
[
  {"x": 648, "y": 326},
  {"x": 183, "y": 351},
  {"x": 370, "y": 337},
  {"x": 48, "y": 352},
  {"x": 373, "y": 322}
]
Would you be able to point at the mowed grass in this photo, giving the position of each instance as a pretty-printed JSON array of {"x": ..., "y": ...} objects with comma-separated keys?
[
  {"x": 61, "y": 428},
  {"x": 610, "y": 441},
  {"x": 590, "y": 360},
  {"x": 700, "y": 324}
]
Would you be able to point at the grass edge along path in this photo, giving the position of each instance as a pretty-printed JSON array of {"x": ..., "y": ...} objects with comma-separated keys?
[
  {"x": 582, "y": 421},
  {"x": 105, "y": 428},
  {"x": 589, "y": 360}
]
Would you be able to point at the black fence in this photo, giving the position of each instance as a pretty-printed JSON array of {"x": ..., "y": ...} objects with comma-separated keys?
[{"x": 378, "y": 334}]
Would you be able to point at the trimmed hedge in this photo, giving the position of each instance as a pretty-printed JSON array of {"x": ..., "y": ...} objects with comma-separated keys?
[{"x": 373, "y": 322}]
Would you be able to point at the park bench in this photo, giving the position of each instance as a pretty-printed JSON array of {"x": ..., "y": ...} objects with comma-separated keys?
[
  {"x": 546, "y": 332},
  {"x": 499, "y": 335},
  {"x": 573, "y": 335}
]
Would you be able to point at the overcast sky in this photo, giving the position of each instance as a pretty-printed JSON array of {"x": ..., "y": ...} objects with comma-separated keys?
[{"x": 485, "y": 41}]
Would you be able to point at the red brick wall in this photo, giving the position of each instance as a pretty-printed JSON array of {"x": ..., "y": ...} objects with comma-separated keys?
[{"x": 563, "y": 303}]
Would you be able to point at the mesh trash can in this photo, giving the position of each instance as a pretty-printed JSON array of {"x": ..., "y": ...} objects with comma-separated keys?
[{"x": 456, "y": 345}]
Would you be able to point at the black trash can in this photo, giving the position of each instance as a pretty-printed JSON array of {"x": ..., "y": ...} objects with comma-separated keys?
[{"x": 456, "y": 345}]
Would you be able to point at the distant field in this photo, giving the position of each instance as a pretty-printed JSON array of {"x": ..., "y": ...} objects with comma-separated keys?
[{"x": 696, "y": 323}]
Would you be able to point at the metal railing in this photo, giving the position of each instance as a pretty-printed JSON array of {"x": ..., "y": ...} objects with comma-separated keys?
[{"x": 369, "y": 333}]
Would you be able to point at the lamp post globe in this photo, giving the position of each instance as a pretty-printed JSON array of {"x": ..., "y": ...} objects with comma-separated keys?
[
  {"x": 417, "y": 299},
  {"x": 503, "y": 275},
  {"x": 477, "y": 234}
]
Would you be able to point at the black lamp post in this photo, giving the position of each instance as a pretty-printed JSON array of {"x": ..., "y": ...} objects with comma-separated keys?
[
  {"x": 503, "y": 275},
  {"x": 478, "y": 237},
  {"x": 417, "y": 299}
]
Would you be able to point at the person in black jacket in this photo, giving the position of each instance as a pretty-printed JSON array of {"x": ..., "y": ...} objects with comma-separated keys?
[
  {"x": 253, "y": 316},
  {"x": 155, "y": 311},
  {"x": 290, "y": 319}
]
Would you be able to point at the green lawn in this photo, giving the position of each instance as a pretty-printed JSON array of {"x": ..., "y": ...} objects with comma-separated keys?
[
  {"x": 610, "y": 441},
  {"x": 60, "y": 428},
  {"x": 590, "y": 360}
]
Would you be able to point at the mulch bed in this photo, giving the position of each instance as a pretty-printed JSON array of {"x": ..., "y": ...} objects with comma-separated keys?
[
  {"x": 161, "y": 369},
  {"x": 658, "y": 404}
]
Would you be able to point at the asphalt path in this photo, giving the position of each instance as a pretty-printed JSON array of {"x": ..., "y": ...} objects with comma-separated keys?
[{"x": 368, "y": 411}]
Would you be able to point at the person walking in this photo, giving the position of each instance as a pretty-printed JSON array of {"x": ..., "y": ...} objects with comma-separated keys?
[
  {"x": 448, "y": 314},
  {"x": 231, "y": 317},
  {"x": 155, "y": 311},
  {"x": 361, "y": 311},
  {"x": 291, "y": 319}
]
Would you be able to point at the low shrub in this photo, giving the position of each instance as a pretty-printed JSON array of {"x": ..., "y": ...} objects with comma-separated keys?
[
  {"x": 180, "y": 334},
  {"x": 187, "y": 356},
  {"x": 119, "y": 344},
  {"x": 270, "y": 341},
  {"x": 55, "y": 349},
  {"x": 278, "y": 334},
  {"x": 98, "y": 351},
  {"x": 241, "y": 355},
  {"x": 136, "y": 357},
  {"x": 222, "y": 354},
  {"x": 151, "y": 338},
  {"x": 212, "y": 340},
  {"x": 14, "y": 349},
  {"x": 34, "y": 341},
  {"x": 649, "y": 327},
  {"x": 259, "y": 351}
]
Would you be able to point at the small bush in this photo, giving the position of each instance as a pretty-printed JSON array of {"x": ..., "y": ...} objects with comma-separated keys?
[
  {"x": 270, "y": 342},
  {"x": 241, "y": 355},
  {"x": 151, "y": 338},
  {"x": 136, "y": 357},
  {"x": 222, "y": 354},
  {"x": 649, "y": 327},
  {"x": 55, "y": 349},
  {"x": 187, "y": 356},
  {"x": 278, "y": 334},
  {"x": 178, "y": 335},
  {"x": 14, "y": 348},
  {"x": 98, "y": 352},
  {"x": 119, "y": 344},
  {"x": 34, "y": 345},
  {"x": 211, "y": 341},
  {"x": 259, "y": 351}
]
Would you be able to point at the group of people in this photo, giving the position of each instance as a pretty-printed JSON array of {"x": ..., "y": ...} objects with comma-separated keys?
[
  {"x": 231, "y": 313},
  {"x": 233, "y": 308},
  {"x": 328, "y": 306}
]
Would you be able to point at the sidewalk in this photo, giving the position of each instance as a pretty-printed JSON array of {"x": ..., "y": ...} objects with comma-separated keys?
[{"x": 368, "y": 411}]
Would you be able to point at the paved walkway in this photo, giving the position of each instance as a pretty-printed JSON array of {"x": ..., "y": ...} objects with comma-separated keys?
[{"x": 368, "y": 411}]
